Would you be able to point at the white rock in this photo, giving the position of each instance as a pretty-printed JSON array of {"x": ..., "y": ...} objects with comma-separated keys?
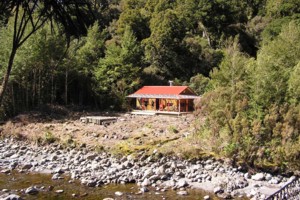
[
  {"x": 12, "y": 197},
  {"x": 146, "y": 182},
  {"x": 182, "y": 183},
  {"x": 209, "y": 167},
  {"x": 160, "y": 170},
  {"x": 218, "y": 189},
  {"x": 55, "y": 176},
  {"x": 268, "y": 177},
  {"x": 273, "y": 181},
  {"x": 183, "y": 193},
  {"x": 258, "y": 177},
  {"x": 31, "y": 190},
  {"x": 118, "y": 193}
]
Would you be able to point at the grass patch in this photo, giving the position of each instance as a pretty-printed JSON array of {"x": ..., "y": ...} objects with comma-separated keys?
[
  {"x": 47, "y": 138},
  {"x": 172, "y": 129}
]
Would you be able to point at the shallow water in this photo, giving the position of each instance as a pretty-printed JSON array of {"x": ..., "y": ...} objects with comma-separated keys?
[{"x": 18, "y": 182}]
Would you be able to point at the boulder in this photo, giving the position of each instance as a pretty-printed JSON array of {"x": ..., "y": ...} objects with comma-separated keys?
[
  {"x": 258, "y": 177},
  {"x": 224, "y": 196},
  {"x": 144, "y": 189},
  {"x": 182, "y": 183},
  {"x": 89, "y": 182},
  {"x": 12, "y": 197},
  {"x": 56, "y": 176},
  {"x": 218, "y": 189},
  {"x": 27, "y": 166},
  {"x": 31, "y": 191},
  {"x": 146, "y": 182}
]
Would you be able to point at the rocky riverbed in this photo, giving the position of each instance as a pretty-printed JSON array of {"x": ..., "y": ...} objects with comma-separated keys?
[{"x": 149, "y": 172}]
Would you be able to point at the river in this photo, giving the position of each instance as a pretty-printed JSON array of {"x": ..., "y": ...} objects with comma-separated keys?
[{"x": 17, "y": 182}]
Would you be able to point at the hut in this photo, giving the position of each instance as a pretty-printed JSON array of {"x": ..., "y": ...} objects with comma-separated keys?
[{"x": 176, "y": 99}]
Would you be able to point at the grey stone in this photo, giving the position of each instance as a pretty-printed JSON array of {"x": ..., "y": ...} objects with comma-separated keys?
[
  {"x": 148, "y": 173},
  {"x": 183, "y": 193},
  {"x": 268, "y": 177},
  {"x": 218, "y": 189},
  {"x": 91, "y": 156},
  {"x": 8, "y": 154},
  {"x": 5, "y": 171},
  {"x": 146, "y": 182},
  {"x": 31, "y": 191},
  {"x": 160, "y": 170},
  {"x": 207, "y": 197},
  {"x": 89, "y": 182},
  {"x": 12, "y": 197},
  {"x": 252, "y": 193},
  {"x": 182, "y": 183},
  {"x": 258, "y": 177},
  {"x": 27, "y": 166},
  {"x": 247, "y": 176},
  {"x": 273, "y": 181},
  {"x": 55, "y": 176},
  {"x": 224, "y": 195},
  {"x": 54, "y": 157},
  {"x": 118, "y": 193},
  {"x": 59, "y": 171},
  {"x": 241, "y": 183},
  {"x": 154, "y": 178},
  {"x": 144, "y": 189},
  {"x": 209, "y": 167},
  {"x": 128, "y": 164},
  {"x": 209, "y": 161},
  {"x": 13, "y": 165}
]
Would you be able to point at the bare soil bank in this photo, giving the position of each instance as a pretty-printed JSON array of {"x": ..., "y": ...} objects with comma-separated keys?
[{"x": 172, "y": 135}]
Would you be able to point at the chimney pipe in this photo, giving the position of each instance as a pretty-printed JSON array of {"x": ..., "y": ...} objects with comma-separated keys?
[{"x": 171, "y": 83}]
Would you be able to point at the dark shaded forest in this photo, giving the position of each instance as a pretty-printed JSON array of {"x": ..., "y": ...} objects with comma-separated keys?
[{"x": 242, "y": 56}]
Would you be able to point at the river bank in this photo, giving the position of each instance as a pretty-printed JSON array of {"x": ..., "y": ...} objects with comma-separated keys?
[{"x": 148, "y": 172}]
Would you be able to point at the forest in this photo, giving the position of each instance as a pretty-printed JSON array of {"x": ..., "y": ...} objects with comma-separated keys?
[{"x": 241, "y": 56}]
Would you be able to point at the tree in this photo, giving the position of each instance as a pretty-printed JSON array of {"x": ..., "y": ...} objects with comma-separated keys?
[
  {"x": 87, "y": 57},
  {"x": 31, "y": 15},
  {"x": 275, "y": 62},
  {"x": 118, "y": 72},
  {"x": 162, "y": 48}
]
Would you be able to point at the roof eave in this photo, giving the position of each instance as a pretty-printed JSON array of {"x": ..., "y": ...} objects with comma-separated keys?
[{"x": 159, "y": 96}]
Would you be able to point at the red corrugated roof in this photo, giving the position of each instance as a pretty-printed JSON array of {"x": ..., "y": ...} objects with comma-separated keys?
[{"x": 162, "y": 90}]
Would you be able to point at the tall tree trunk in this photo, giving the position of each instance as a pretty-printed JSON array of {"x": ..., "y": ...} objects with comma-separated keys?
[
  {"x": 13, "y": 99},
  {"x": 205, "y": 33},
  {"x": 39, "y": 89},
  {"x": 34, "y": 87},
  {"x": 66, "y": 86},
  {"x": 27, "y": 97},
  {"x": 7, "y": 73},
  {"x": 52, "y": 88}
]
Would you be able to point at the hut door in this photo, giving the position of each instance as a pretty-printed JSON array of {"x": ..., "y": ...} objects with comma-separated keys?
[{"x": 157, "y": 104}]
